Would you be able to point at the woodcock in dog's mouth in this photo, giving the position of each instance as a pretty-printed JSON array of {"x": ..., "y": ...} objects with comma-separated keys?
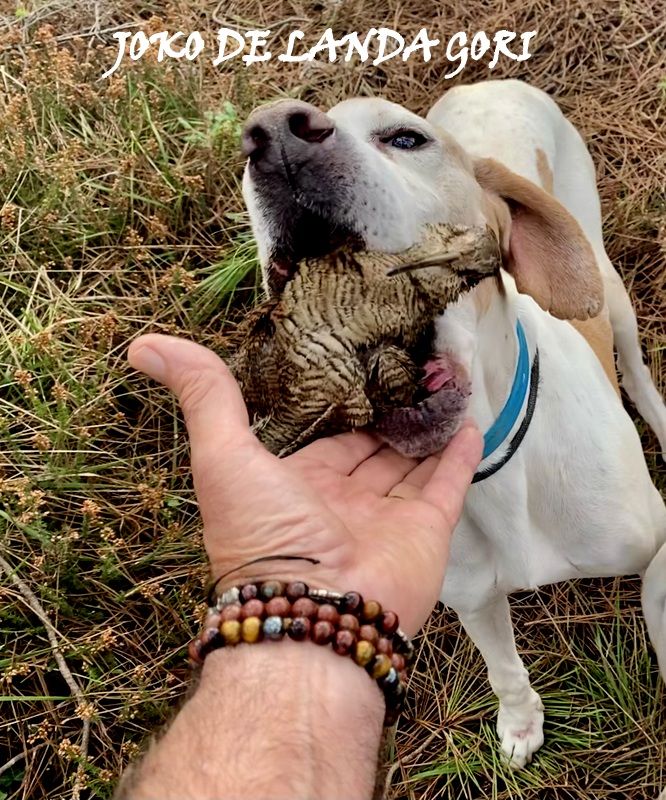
[{"x": 348, "y": 344}]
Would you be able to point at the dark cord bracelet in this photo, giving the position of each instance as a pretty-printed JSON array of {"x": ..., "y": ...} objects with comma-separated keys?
[{"x": 361, "y": 629}]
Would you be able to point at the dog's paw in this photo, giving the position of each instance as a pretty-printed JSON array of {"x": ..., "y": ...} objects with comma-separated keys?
[{"x": 520, "y": 730}]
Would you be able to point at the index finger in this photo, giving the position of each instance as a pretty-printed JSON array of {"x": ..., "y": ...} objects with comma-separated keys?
[{"x": 453, "y": 475}]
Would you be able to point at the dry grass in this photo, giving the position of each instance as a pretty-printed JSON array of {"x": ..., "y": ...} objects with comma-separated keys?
[{"x": 120, "y": 212}]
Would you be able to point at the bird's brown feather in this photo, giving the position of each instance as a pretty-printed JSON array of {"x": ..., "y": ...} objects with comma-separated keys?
[{"x": 342, "y": 344}]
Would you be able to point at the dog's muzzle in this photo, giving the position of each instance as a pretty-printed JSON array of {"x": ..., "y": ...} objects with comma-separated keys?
[{"x": 295, "y": 163}]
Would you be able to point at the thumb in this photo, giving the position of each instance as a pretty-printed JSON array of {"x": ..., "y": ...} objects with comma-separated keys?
[{"x": 211, "y": 400}]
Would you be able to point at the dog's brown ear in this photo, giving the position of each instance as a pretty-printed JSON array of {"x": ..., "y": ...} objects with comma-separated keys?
[{"x": 545, "y": 248}]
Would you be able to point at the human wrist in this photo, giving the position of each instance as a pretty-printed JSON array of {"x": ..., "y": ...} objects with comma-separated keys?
[
  {"x": 312, "y": 720},
  {"x": 315, "y": 677},
  {"x": 276, "y": 721}
]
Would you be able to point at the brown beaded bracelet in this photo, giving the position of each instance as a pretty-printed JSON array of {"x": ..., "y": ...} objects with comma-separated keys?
[{"x": 353, "y": 627}]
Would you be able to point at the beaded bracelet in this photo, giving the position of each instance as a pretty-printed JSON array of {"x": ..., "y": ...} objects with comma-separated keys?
[{"x": 354, "y": 627}]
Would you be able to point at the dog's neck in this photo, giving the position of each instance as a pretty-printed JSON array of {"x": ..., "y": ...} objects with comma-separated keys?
[{"x": 480, "y": 333}]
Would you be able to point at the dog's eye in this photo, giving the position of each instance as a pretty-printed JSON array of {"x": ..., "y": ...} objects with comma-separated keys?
[{"x": 405, "y": 140}]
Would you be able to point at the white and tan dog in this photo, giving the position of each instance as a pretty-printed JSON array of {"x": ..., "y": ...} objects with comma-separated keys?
[{"x": 575, "y": 498}]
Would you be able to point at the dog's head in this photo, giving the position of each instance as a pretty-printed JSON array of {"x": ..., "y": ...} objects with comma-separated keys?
[
  {"x": 372, "y": 172},
  {"x": 368, "y": 170}
]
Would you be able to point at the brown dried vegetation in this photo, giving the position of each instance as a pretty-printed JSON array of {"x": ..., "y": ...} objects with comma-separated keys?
[{"x": 120, "y": 212}]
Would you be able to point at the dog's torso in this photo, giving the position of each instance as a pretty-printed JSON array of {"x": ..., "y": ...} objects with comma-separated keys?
[{"x": 576, "y": 499}]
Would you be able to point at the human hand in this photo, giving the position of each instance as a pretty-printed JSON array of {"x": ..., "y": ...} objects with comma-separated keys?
[{"x": 377, "y": 522}]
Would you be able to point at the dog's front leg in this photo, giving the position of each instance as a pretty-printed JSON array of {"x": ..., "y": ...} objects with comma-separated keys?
[{"x": 520, "y": 717}]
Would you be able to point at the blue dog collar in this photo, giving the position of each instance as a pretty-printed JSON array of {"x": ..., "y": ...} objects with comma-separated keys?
[
  {"x": 502, "y": 426},
  {"x": 525, "y": 379}
]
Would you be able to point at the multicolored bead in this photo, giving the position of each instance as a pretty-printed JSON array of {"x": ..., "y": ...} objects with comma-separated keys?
[
  {"x": 390, "y": 680},
  {"x": 212, "y": 620},
  {"x": 230, "y": 596},
  {"x": 344, "y": 642},
  {"x": 299, "y": 628},
  {"x": 270, "y": 589},
  {"x": 363, "y": 652},
  {"x": 329, "y": 613},
  {"x": 304, "y": 607},
  {"x": 379, "y": 666},
  {"x": 388, "y": 622},
  {"x": 248, "y": 592},
  {"x": 209, "y": 639},
  {"x": 251, "y": 630},
  {"x": 351, "y": 603},
  {"x": 296, "y": 589},
  {"x": 232, "y": 611},
  {"x": 348, "y": 622},
  {"x": 273, "y": 628},
  {"x": 231, "y": 631},
  {"x": 253, "y": 608},
  {"x": 395, "y": 696},
  {"x": 371, "y": 610},
  {"x": 369, "y": 633},
  {"x": 278, "y": 607},
  {"x": 398, "y": 662},
  {"x": 323, "y": 632},
  {"x": 385, "y": 646},
  {"x": 195, "y": 652}
]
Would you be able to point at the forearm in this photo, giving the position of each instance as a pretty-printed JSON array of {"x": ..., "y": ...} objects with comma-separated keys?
[{"x": 277, "y": 720}]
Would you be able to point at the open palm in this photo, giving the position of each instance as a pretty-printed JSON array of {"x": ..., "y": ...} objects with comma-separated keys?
[{"x": 375, "y": 521}]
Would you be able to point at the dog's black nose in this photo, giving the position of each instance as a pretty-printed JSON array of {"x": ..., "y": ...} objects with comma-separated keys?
[{"x": 292, "y": 125}]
